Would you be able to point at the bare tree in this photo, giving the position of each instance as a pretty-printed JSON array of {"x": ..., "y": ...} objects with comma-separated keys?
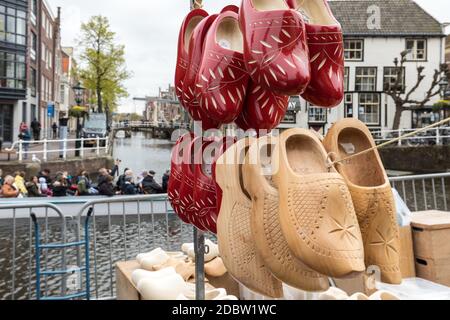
[{"x": 402, "y": 96}]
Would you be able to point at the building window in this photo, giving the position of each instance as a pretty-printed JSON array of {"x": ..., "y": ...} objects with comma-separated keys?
[
  {"x": 33, "y": 49},
  {"x": 390, "y": 78},
  {"x": 348, "y": 105},
  {"x": 354, "y": 50},
  {"x": 12, "y": 71},
  {"x": 13, "y": 25},
  {"x": 366, "y": 79},
  {"x": 369, "y": 108},
  {"x": 24, "y": 112},
  {"x": 33, "y": 112},
  {"x": 346, "y": 78},
  {"x": 33, "y": 83},
  {"x": 317, "y": 115},
  {"x": 418, "y": 49}
]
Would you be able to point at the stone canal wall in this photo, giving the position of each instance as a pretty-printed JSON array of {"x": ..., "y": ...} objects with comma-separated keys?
[
  {"x": 422, "y": 159},
  {"x": 73, "y": 166}
]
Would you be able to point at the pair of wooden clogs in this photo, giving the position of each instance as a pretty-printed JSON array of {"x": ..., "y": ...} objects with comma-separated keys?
[
  {"x": 288, "y": 214},
  {"x": 168, "y": 275}
]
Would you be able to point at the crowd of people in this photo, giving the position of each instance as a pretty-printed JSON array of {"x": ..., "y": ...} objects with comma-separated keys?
[{"x": 108, "y": 183}]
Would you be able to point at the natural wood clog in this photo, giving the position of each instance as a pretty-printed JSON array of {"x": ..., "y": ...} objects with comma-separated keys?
[
  {"x": 316, "y": 211},
  {"x": 372, "y": 195},
  {"x": 235, "y": 235},
  {"x": 266, "y": 228}
]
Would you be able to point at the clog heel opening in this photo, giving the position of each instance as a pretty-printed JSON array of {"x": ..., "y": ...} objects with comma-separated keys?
[
  {"x": 229, "y": 35},
  {"x": 364, "y": 170},
  {"x": 189, "y": 30},
  {"x": 269, "y": 5},
  {"x": 316, "y": 12},
  {"x": 304, "y": 156}
]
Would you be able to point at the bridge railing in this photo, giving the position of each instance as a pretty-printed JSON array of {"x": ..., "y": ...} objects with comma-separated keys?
[
  {"x": 434, "y": 136},
  {"x": 42, "y": 150}
]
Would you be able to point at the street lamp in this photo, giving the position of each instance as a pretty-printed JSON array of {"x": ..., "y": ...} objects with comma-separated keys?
[{"x": 79, "y": 97}]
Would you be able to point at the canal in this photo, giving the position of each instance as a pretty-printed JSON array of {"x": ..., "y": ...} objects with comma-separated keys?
[{"x": 142, "y": 153}]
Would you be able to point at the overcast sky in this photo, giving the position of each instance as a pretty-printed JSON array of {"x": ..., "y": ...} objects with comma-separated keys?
[{"x": 149, "y": 29}]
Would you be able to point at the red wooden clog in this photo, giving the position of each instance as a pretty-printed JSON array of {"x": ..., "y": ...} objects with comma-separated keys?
[
  {"x": 264, "y": 109},
  {"x": 176, "y": 175},
  {"x": 187, "y": 203},
  {"x": 275, "y": 49},
  {"x": 190, "y": 22},
  {"x": 222, "y": 79},
  {"x": 205, "y": 197},
  {"x": 326, "y": 50},
  {"x": 191, "y": 101}
]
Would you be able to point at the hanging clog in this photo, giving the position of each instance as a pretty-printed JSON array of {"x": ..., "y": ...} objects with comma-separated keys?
[
  {"x": 372, "y": 195},
  {"x": 266, "y": 228},
  {"x": 190, "y": 22},
  {"x": 222, "y": 79},
  {"x": 275, "y": 48},
  {"x": 316, "y": 210}
]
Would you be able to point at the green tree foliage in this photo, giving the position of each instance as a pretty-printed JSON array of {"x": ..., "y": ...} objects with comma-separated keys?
[{"x": 102, "y": 64}]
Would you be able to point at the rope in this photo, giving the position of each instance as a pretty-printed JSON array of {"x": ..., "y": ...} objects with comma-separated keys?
[
  {"x": 437, "y": 124},
  {"x": 197, "y": 4}
]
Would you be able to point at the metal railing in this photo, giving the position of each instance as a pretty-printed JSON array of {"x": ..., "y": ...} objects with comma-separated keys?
[
  {"x": 424, "y": 192},
  {"x": 148, "y": 124},
  {"x": 62, "y": 148},
  {"x": 123, "y": 227},
  {"x": 435, "y": 136}
]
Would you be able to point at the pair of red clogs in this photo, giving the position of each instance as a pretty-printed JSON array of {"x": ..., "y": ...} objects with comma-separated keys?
[
  {"x": 192, "y": 189},
  {"x": 243, "y": 66}
]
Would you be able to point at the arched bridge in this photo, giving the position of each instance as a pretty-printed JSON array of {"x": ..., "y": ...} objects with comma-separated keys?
[{"x": 157, "y": 129}]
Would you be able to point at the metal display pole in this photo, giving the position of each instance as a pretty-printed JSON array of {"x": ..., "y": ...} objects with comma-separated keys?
[
  {"x": 199, "y": 236},
  {"x": 199, "y": 246}
]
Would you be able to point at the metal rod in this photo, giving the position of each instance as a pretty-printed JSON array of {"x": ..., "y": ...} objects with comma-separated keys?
[{"x": 199, "y": 246}]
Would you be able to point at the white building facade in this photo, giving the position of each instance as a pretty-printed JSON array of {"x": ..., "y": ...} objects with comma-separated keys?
[{"x": 369, "y": 65}]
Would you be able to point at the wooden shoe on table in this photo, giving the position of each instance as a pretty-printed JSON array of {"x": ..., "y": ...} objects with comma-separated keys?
[
  {"x": 235, "y": 235},
  {"x": 265, "y": 222},
  {"x": 372, "y": 195},
  {"x": 316, "y": 210}
]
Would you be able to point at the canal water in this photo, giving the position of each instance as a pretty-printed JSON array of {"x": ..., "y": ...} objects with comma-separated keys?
[{"x": 143, "y": 153}]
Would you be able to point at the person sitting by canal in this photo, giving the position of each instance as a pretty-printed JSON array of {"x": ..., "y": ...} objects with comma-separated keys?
[
  {"x": 107, "y": 187},
  {"x": 165, "y": 181},
  {"x": 25, "y": 136},
  {"x": 44, "y": 187},
  {"x": 105, "y": 183},
  {"x": 46, "y": 175},
  {"x": 121, "y": 180},
  {"x": 60, "y": 186},
  {"x": 19, "y": 183},
  {"x": 8, "y": 189},
  {"x": 85, "y": 185},
  {"x": 128, "y": 187},
  {"x": 149, "y": 185},
  {"x": 34, "y": 188}
]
